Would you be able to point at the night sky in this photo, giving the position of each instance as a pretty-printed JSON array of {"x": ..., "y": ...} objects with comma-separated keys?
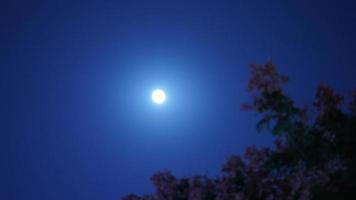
[{"x": 76, "y": 78}]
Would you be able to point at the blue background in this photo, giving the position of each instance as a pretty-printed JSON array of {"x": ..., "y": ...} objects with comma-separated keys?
[{"x": 76, "y": 77}]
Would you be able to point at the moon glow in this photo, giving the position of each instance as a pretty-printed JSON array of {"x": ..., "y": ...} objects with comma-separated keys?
[{"x": 158, "y": 96}]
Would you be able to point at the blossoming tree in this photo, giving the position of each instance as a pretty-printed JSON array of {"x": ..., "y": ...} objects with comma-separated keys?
[{"x": 312, "y": 157}]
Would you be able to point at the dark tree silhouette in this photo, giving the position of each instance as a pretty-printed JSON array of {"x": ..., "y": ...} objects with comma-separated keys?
[{"x": 313, "y": 156}]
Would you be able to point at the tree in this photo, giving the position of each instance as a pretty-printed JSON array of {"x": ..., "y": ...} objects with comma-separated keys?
[{"x": 312, "y": 157}]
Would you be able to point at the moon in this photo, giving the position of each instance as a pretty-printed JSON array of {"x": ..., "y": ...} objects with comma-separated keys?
[{"x": 158, "y": 96}]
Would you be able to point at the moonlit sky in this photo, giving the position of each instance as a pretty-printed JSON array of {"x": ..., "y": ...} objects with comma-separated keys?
[{"x": 77, "y": 77}]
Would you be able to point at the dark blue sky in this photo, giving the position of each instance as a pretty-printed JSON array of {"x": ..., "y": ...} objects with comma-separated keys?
[{"x": 76, "y": 78}]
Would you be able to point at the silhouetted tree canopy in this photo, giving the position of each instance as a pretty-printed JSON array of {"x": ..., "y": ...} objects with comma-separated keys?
[{"x": 312, "y": 158}]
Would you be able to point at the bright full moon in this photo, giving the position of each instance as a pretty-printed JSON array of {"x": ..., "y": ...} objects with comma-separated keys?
[{"x": 158, "y": 96}]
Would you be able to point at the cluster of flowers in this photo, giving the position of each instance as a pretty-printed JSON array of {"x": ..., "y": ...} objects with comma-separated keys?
[{"x": 247, "y": 178}]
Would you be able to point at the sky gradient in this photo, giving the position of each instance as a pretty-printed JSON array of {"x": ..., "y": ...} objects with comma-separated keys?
[{"x": 76, "y": 80}]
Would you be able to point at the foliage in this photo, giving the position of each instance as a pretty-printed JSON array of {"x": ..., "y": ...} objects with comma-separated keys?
[{"x": 312, "y": 157}]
